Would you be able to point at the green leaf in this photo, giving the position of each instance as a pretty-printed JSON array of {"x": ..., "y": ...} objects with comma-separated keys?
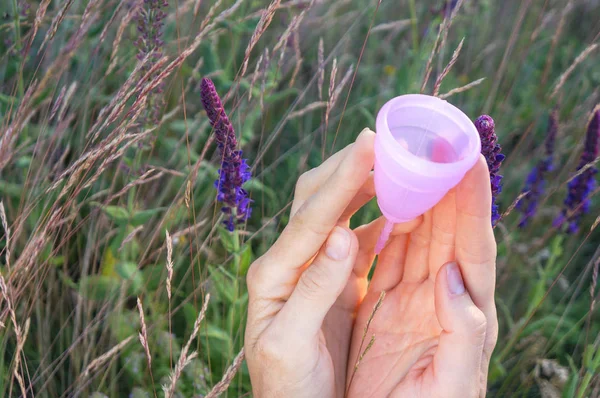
[
  {"x": 129, "y": 271},
  {"x": 117, "y": 214},
  {"x": 143, "y": 216},
  {"x": 216, "y": 333},
  {"x": 571, "y": 386},
  {"x": 227, "y": 239},
  {"x": 139, "y": 393},
  {"x": 98, "y": 287},
  {"x": 246, "y": 258},
  {"x": 123, "y": 324}
]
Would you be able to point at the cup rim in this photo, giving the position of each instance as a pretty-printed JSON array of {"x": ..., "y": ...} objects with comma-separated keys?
[{"x": 413, "y": 162}]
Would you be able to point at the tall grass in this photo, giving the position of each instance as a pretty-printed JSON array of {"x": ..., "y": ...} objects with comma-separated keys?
[{"x": 104, "y": 147}]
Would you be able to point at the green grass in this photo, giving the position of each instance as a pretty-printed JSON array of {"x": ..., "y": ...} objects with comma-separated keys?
[{"x": 82, "y": 250}]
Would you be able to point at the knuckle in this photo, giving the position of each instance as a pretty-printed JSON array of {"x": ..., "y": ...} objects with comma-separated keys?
[
  {"x": 253, "y": 276},
  {"x": 270, "y": 348},
  {"x": 304, "y": 182},
  {"x": 311, "y": 282},
  {"x": 478, "y": 324}
]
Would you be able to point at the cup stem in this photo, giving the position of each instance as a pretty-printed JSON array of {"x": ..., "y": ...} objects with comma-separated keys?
[{"x": 385, "y": 235}]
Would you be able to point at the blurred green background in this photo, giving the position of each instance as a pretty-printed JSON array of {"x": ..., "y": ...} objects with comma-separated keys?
[{"x": 103, "y": 150}]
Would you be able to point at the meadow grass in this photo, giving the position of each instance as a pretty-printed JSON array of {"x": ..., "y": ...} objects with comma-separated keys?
[{"x": 107, "y": 164}]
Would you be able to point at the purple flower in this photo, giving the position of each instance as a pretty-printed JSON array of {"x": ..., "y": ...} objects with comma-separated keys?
[
  {"x": 536, "y": 180},
  {"x": 491, "y": 151},
  {"x": 577, "y": 202},
  {"x": 234, "y": 171},
  {"x": 150, "y": 23}
]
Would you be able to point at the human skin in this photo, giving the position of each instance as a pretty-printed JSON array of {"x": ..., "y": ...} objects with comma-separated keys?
[{"x": 310, "y": 297}]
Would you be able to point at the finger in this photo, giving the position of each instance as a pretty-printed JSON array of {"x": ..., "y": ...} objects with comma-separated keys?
[
  {"x": 390, "y": 264},
  {"x": 443, "y": 233},
  {"x": 364, "y": 195},
  {"x": 319, "y": 286},
  {"x": 367, "y": 239},
  {"x": 311, "y": 181},
  {"x": 310, "y": 226},
  {"x": 457, "y": 361},
  {"x": 475, "y": 243},
  {"x": 416, "y": 268}
]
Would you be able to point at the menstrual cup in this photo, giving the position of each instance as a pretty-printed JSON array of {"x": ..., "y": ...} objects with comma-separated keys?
[{"x": 423, "y": 148}]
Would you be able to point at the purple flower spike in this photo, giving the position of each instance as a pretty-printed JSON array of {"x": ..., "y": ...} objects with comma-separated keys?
[
  {"x": 491, "y": 151},
  {"x": 234, "y": 171},
  {"x": 536, "y": 181},
  {"x": 577, "y": 202}
]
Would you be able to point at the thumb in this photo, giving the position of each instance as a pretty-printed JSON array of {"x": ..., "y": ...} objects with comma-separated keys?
[
  {"x": 319, "y": 285},
  {"x": 457, "y": 361}
]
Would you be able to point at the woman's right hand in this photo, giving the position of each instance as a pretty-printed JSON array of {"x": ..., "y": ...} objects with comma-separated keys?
[{"x": 306, "y": 279}]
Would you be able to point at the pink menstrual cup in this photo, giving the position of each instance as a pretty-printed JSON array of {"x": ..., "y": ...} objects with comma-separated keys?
[{"x": 423, "y": 148}]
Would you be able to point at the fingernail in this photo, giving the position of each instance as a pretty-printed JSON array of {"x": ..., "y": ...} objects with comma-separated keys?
[
  {"x": 454, "y": 278},
  {"x": 338, "y": 244}
]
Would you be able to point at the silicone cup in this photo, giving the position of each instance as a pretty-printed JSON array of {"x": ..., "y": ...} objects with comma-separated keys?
[{"x": 424, "y": 146}]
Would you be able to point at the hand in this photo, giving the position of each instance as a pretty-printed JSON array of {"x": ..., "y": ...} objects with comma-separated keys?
[
  {"x": 303, "y": 293},
  {"x": 436, "y": 328}
]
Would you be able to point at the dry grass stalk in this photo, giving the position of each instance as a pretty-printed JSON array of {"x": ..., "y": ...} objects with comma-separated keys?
[
  {"x": 189, "y": 230},
  {"x": 261, "y": 27},
  {"x": 513, "y": 205},
  {"x": 438, "y": 82},
  {"x": 107, "y": 150},
  {"x": 114, "y": 156},
  {"x": 130, "y": 236},
  {"x": 6, "y": 234},
  {"x": 338, "y": 90},
  {"x": 20, "y": 344},
  {"x": 68, "y": 50},
  {"x": 293, "y": 26},
  {"x": 462, "y": 89},
  {"x": 102, "y": 359},
  {"x": 555, "y": 37},
  {"x": 184, "y": 358},
  {"x": 298, "y": 55},
  {"x": 60, "y": 16},
  {"x": 580, "y": 58},
  {"x": 110, "y": 22},
  {"x": 143, "y": 334},
  {"x": 263, "y": 82},
  {"x": 255, "y": 75},
  {"x": 362, "y": 355},
  {"x": 211, "y": 12},
  {"x": 594, "y": 284},
  {"x": 197, "y": 7},
  {"x": 39, "y": 17},
  {"x": 223, "y": 385},
  {"x": 449, "y": 24},
  {"x": 429, "y": 65},
  {"x": 143, "y": 179},
  {"x": 188, "y": 194},
  {"x": 117, "y": 103},
  {"x": 169, "y": 264},
  {"x": 321, "y": 68},
  {"x": 122, "y": 26},
  {"x": 364, "y": 336},
  {"x": 62, "y": 102},
  {"x": 309, "y": 108},
  {"x": 57, "y": 103},
  {"x": 395, "y": 25},
  {"x": 20, "y": 335},
  {"x": 9, "y": 136},
  {"x": 330, "y": 92}
]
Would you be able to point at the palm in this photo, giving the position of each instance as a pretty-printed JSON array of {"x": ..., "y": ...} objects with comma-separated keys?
[{"x": 406, "y": 333}]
